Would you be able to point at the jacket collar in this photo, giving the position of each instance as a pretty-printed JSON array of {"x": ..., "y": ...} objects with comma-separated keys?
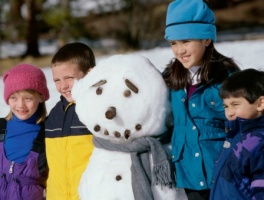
[
  {"x": 243, "y": 125},
  {"x": 65, "y": 103}
]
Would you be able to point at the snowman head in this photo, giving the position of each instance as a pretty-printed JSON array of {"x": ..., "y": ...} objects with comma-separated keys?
[{"x": 124, "y": 97}]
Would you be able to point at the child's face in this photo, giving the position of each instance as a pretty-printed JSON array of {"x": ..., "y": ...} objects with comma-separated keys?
[
  {"x": 64, "y": 75},
  {"x": 189, "y": 52},
  {"x": 24, "y": 104},
  {"x": 240, "y": 107}
]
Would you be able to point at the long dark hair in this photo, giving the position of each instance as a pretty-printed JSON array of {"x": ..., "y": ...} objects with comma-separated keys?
[{"x": 215, "y": 68}]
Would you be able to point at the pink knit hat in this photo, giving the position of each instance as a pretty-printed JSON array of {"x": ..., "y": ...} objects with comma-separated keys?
[{"x": 24, "y": 77}]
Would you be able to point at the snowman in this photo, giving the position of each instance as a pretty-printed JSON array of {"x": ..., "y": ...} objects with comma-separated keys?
[{"x": 123, "y": 101}]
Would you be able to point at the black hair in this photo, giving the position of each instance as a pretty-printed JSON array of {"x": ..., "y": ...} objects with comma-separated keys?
[
  {"x": 75, "y": 52},
  {"x": 215, "y": 68},
  {"x": 248, "y": 83}
]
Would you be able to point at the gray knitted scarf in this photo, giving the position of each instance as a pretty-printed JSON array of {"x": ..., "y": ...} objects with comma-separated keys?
[{"x": 139, "y": 150}]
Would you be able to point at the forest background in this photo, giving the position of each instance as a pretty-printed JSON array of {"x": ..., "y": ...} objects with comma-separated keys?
[{"x": 109, "y": 26}]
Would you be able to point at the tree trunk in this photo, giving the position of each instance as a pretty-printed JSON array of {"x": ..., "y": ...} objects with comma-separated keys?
[
  {"x": 15, "y": 9},
  {"x": 32, "y": 30}
]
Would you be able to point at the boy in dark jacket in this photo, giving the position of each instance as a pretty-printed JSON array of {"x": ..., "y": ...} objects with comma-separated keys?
[{"x": 239, "y": 170}]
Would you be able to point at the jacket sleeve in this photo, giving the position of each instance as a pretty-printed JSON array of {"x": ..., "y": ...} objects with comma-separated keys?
[{"x": 257, "y": 171}]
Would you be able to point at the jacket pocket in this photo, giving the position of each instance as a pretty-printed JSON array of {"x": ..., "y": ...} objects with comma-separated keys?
[{"x": 213, "y": 100}]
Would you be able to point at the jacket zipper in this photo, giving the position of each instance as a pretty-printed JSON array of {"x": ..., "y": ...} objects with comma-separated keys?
[
  {"x": 10, "y": 183},
  {"x": 11, "y": 168}
]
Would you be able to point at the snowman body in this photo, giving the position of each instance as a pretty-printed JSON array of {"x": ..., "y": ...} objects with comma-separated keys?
[
  {"x": 122, "y": 99},
  {"x": 110, "y": 174}
]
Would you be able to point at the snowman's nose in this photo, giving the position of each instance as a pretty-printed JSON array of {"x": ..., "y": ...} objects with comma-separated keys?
[{"x": 110, "y": 113}]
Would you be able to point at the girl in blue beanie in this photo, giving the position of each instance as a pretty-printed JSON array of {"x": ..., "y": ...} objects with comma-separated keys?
[{"x": 194, "y": 78}]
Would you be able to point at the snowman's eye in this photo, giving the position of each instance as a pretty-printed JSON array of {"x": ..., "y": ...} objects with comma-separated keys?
[
  {"x": 99, "y": 91},
  {"x": 138, "y": 127},
  {"x": 127, "y": 93}
]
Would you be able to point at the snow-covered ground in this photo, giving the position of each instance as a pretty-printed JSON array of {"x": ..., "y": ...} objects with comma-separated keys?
[{"x": 248, "y": 54}]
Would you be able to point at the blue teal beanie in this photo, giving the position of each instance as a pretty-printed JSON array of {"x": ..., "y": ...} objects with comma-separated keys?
[{"x": 190, "y": 19}]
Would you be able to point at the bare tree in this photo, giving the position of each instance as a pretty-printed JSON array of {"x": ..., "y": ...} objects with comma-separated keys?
[
  {"x": 32, "y": 29},
  {"x": 15, "y": 23},
  {"x": 25, "y": 26}
]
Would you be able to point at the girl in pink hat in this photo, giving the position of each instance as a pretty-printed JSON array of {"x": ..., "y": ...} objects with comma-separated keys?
[{"x": 22, "y": 148}]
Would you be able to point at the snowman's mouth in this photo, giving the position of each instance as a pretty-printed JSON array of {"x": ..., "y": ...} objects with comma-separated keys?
[{"x": 126, "y": 134}]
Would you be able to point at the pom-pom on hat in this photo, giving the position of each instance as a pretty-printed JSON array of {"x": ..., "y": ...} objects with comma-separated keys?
[
  {"x": 24, "y": 77},
  {"x": 190, "y": 19}
]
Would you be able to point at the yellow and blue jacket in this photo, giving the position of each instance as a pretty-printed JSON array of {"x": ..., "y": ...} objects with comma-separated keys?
[{"x": 68, "y": 148}]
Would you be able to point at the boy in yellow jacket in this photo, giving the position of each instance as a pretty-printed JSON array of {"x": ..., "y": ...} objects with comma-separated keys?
[{"x": 68, "y": 142}]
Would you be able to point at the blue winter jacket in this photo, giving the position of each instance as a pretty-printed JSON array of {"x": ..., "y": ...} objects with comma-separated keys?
[
  {"x": 198, "y": 135},
  {"x": 239, "y": 171}
]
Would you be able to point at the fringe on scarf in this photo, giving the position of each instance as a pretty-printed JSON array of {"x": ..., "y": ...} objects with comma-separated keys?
[{"x": 163, "y": 175}]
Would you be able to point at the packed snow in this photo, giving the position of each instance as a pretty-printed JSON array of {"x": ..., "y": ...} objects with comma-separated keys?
[{"x": 109, "y": 103}]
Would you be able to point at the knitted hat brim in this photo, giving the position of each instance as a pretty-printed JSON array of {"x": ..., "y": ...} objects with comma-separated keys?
[
  {"x": 189, "y": 31},
  {"x": 25, "y": 77},
  {"x": 25, "y": 85}
]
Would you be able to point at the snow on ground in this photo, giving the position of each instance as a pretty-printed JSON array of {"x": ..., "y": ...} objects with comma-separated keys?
[{"x": 248, "y": 54}]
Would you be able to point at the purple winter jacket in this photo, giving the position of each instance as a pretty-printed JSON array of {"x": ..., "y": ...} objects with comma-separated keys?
[{"x": 20, "y": 181}]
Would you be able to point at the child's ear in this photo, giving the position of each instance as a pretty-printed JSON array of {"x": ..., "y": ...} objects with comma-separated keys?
[
  {"x": 207, "y": 42},
  {"x": 90, "y": 69},
  {"x": 260, "y": 106},
  {"x": 42, "y": 99}
]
